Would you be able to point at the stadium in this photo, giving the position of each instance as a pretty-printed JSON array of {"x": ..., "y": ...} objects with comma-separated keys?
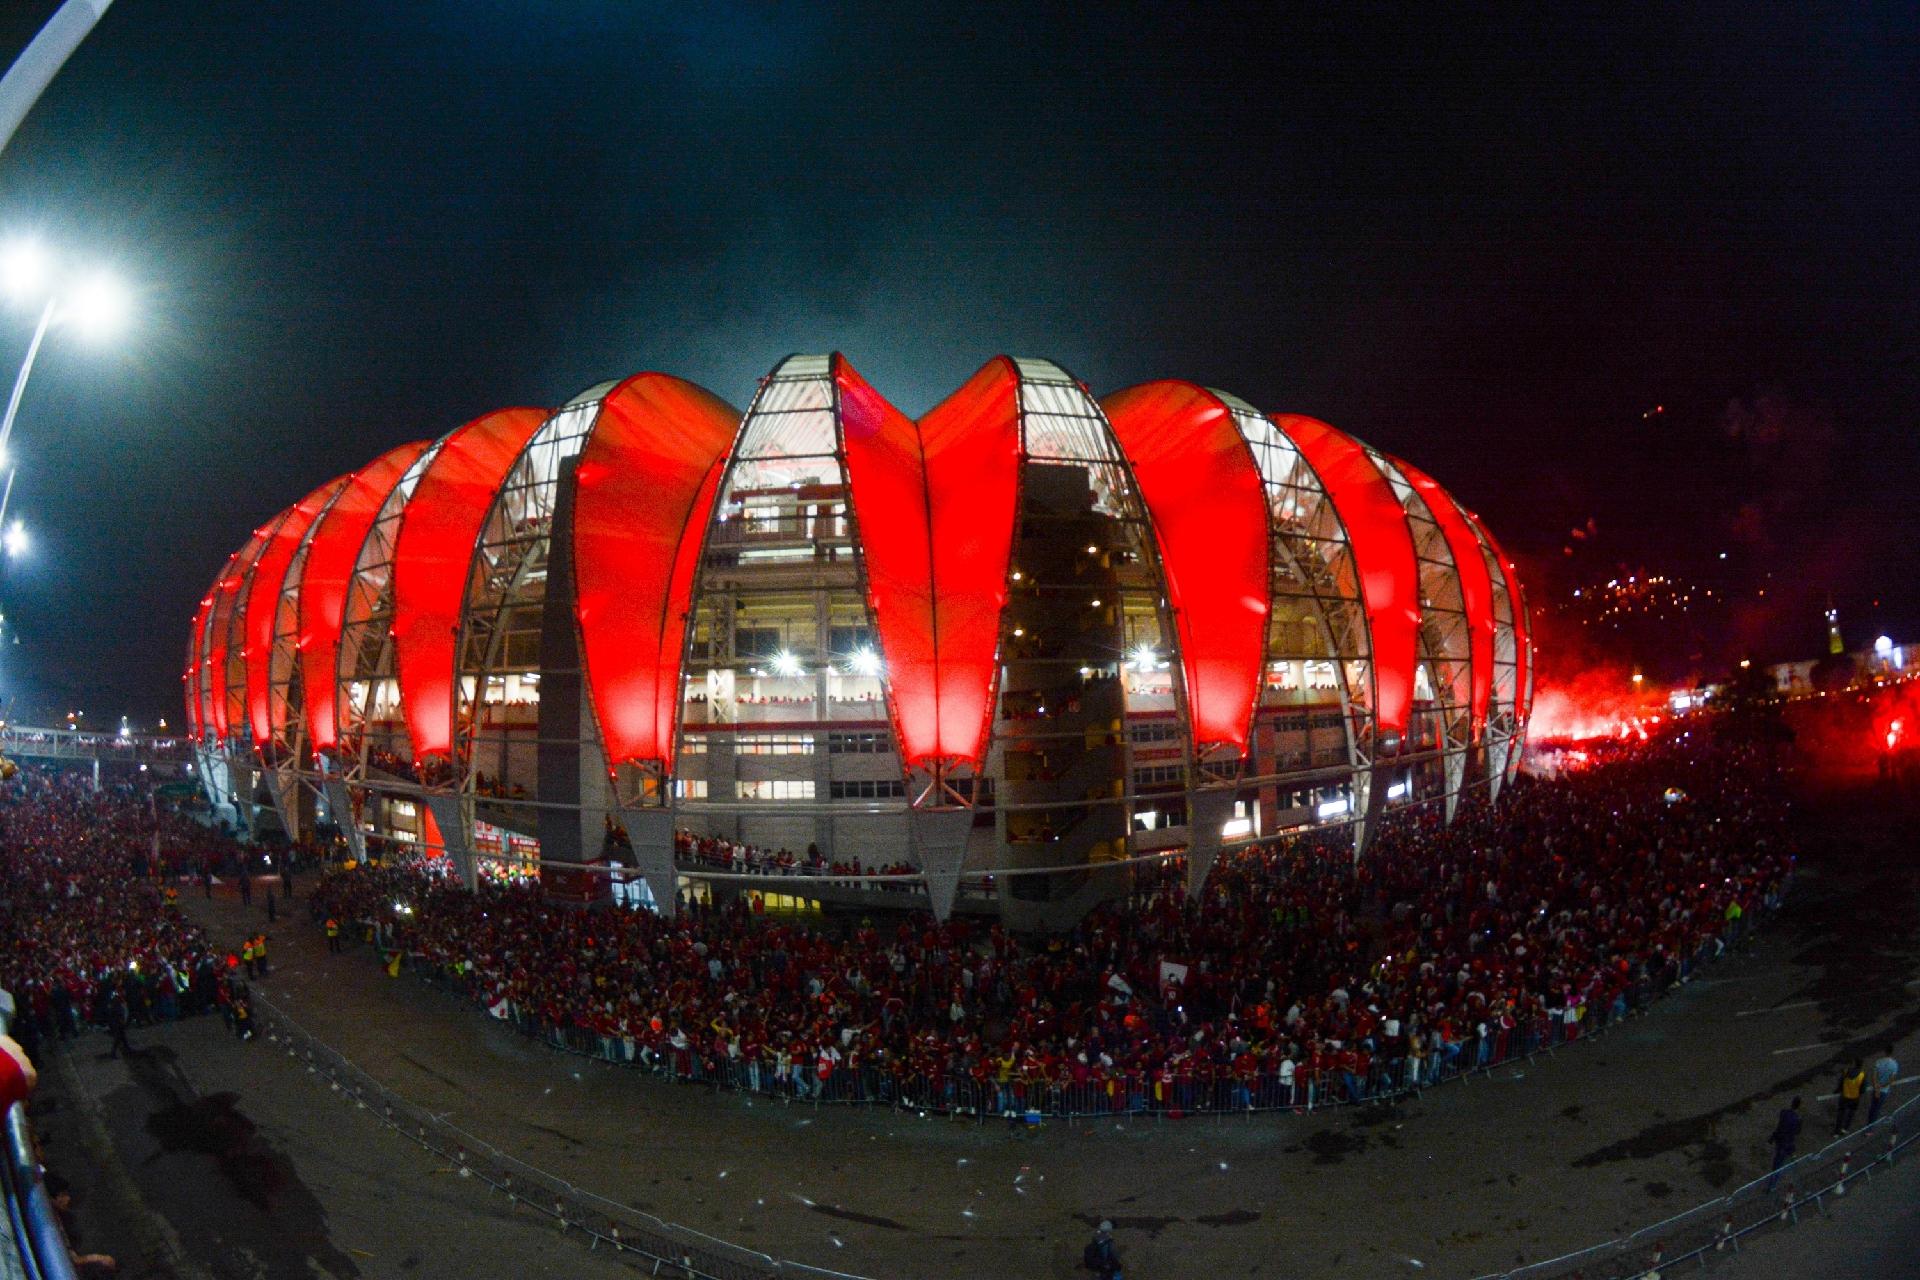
[{"x": 994, "y": 656}]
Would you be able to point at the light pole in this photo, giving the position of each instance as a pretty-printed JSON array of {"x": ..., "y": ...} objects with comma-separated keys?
[
  {"x": 96, "y": 302},
  {"x": 20, "y": 387},
  {"x": 42, "y": 59}
]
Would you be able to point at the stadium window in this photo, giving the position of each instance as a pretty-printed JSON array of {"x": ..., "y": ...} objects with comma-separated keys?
[
  {"x": 867, "y": 789},
  {"x": 690, "y": 788},
  {"x": 857, "y": 744},
  {"x": 847, "y": 640},
  {"x": 756, "y": 642},
  {"x": 775, "y": 789},
  {"x": 774, "y": 744}
]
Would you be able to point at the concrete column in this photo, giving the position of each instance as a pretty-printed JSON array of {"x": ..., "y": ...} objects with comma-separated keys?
[
  {"x": 340, "y": 804},
  {"x": 651, "y": 831},
  {"x": 1453, "y": 767},
  {"x": 456, "y": 832},
  {"x": 1369, "y": 799},
  {"x": 939, "y": 839},
  {"x": 570, "y": 772},
  {"x": 1207, "y": 812},
  {"x": 282, "y": 789}
]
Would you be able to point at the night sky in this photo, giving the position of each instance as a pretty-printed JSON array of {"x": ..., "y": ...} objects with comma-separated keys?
[{"x": 1491, "y": 245}]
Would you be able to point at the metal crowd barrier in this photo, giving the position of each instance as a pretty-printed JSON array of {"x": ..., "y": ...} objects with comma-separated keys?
[
  {"x": 36, "y": 1245},
  {"x": 650, "y": 1244},
  {"x": 1715, "y": 1231}
]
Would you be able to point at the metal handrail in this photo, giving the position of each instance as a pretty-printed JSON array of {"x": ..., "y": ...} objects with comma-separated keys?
[
  {"x": 1719, "y": 1225},
  {"x": 42, "y": 1242}
]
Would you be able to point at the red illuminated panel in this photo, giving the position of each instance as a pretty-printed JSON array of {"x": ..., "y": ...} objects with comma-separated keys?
[
  {"x": 645, "y": 487},
  {"x": 1382, "y": 551},
  {"x": 1209, "y": 508},
  {"x": 191, "y": 678},
  {"x": 226, "y": 598},
  {"x": 934, "y": 503},
  {"x": 430, "y": 562},
  {"x": 1476, "y": 585},
  {"x": 1522, "y": 655},
  {"x": 1517, "y": 609},
  {"x": 263, "y": 602},
  {"x": 432, "y": 843},
  {"x": 323, "y": 583}
]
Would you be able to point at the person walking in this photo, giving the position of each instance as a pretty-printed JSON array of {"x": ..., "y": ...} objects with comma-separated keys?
[
  {"x": 1885, "y": 1070},
  {"x": 246, "y": 885},
  {"x": 333, "y": 935},
  {"x": 118, "y": 1016},
  {"x": 273, "y": 916},
  {"x": 260, "y": 954},
  {"x": 1100, "y": 1257},
  {"x": 1786, "y": 1133},
  {"x": 1853, "y": 1083}
]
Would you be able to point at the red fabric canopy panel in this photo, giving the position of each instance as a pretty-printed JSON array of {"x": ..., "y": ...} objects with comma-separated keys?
[
  {"x": 1522, "y": 655},
  {"x": 1382, "y": 551},
  {"x": 430, "y": 562},
  {"x": 331, "y": 554},
  {"x": 226, "y": 600},
  {"x": 1203, "y": 489},
  {"x": 1476, "y": 584},
  {"x": 191, "y": 678},
  {"x": 263, "y": 602},
  {"x": 934, "y": 502},
  {"x": 645, "y": 487}
]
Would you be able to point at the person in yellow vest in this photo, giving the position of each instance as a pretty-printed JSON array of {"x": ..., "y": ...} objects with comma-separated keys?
[
  {"x": 260, "y": 954},
  {"x": 333, "y": 935},
  {"x": 246, "y": 956},
  {"x": 173, "y": 895},
  {"x": 1853, "y": 1083}
]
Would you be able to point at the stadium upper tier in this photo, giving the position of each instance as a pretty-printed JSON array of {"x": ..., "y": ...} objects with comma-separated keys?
[{"x": 1030, "y": 629}]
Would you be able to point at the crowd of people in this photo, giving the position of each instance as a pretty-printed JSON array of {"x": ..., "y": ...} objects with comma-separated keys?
[
  {"x": 91, "y": 932},
  {"x": 715, "y": 853},
  {"x": 1296, "y": 978}
]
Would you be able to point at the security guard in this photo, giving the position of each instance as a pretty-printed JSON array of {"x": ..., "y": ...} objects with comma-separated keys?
[{"x": 333, "y": 935}]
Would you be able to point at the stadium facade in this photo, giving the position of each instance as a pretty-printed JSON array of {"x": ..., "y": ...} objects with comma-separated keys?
[{"x": 1023, "y": 642}]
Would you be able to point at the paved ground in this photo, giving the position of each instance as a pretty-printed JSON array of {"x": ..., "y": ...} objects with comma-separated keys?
[{"x": 1667, "y": 1110}]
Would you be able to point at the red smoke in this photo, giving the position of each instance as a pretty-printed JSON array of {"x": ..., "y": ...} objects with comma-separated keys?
[{"x": 1599, "y": 702}]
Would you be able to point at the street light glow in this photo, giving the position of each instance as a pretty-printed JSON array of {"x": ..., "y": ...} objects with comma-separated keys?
[
  {"x": 866, "y": 662},
  {"x": 99, "y": 305},
  {"x": 15, "y": 538},
  {"x": 24, "y": 268}
]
